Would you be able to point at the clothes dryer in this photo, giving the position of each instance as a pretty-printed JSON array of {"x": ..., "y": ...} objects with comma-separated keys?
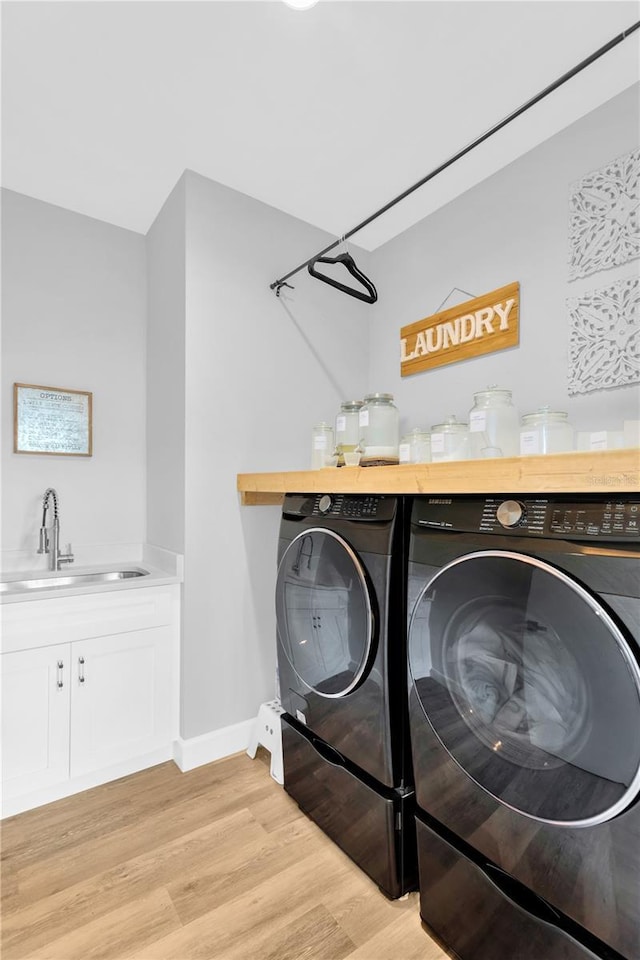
[
  {"x": 341, "y": 629},
  {"x": 524, "y": 629}
]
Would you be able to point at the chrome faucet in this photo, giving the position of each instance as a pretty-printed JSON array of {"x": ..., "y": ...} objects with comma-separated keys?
[{"x": 51, "y": 544}]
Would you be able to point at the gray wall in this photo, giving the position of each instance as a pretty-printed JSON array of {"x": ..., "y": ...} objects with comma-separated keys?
[
  {"x": 256, "y": 373},
  {"x": 165, "y": 369},
  {"x": 74, "y": 315},
  {"x": 513, "y": 226}
]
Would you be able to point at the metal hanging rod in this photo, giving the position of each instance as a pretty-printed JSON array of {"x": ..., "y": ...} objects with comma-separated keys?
[{"x": 277, "y": 284}]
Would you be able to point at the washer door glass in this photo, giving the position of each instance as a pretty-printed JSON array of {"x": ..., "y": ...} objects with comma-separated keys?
[
  {"x": 323, "y": 610},
  {"x": 530, "y": 686}
]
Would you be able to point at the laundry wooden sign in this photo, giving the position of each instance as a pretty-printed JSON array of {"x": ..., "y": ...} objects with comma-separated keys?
[{"x": 478, "y": 326}]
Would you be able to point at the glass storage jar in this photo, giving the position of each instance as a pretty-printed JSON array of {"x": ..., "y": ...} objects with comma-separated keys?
[
  {"x": 494, "y": 425},
  {"x": 321, "y": 444},
  {"x": 347, "y": 428},
  {"x": 415, "y": 447},
  {"x": 450, "y": 440},
  {"x": 545, "y": 431},
  {"x": 379, "y": 428}
]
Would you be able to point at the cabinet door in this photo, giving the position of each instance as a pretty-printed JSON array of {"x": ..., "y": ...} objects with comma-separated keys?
[
  {"x": 35, "y": 719},
  {"x": 121, "y": 697}
]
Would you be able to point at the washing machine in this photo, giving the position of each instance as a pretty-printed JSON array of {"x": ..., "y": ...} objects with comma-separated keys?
[
  {"x": 524, "y": 703},
  {"x": 341, "y": 653}
]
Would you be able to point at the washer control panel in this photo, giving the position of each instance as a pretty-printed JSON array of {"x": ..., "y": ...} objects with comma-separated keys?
[
  {"x": 525, "y": 515},
  {"x": 614, "y": 518},
  {"x": 559, "y": 517}
]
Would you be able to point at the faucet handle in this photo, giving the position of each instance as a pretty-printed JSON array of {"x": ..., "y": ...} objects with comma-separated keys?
[{"x": 66, "y": 557}]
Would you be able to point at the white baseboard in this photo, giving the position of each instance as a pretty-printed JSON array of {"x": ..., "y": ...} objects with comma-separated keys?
[
  {"x": 13, "y": 805},
  {"x": 186, "y": 754},
  {"x": 197, "y": 751}
]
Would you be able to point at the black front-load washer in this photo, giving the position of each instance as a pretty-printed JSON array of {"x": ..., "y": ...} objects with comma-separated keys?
[
  {"x": 524, "y": 631},
  {"x": 340, "y": 609}
]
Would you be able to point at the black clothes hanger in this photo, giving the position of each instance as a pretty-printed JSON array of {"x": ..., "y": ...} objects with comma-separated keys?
[{"x": 371, "y": 294}]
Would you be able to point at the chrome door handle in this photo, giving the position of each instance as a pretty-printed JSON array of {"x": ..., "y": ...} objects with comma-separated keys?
[
  {"x": 81, "y": 669},
  {"x": 60, "y": 666}
]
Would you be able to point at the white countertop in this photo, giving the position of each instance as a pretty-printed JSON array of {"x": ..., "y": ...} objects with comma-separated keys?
[{"x": 167, "y": 568}]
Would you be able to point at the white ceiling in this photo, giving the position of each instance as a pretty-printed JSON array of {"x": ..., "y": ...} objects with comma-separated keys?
[{"x": 326, "y": 114}]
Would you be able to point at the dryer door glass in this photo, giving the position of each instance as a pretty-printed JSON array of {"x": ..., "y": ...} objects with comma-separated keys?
[
  {"x": 530, "y": 685},
  {"x": 323, "y": 610}
]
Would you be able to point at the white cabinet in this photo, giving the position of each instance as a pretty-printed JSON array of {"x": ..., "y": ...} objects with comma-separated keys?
[
  {"x": 35, "y": 719},
  {"x": 119, "y": 693},
  {"x": 93, "y": 708}
]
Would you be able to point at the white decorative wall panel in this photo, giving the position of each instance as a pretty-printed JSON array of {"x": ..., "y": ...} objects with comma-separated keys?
[
  {"x": 604, "y": 344},
  {"x": 604, "y": 217}
]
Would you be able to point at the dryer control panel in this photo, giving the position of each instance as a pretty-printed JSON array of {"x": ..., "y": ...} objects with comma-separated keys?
[
  {"x": 340, "y": 506},
  {"x": 349, "y": 507},
  {"x": 562, "y": 517}
]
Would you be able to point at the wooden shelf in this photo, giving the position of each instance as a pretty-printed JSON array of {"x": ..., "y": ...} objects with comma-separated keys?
[{"x": 614, "y": 471}]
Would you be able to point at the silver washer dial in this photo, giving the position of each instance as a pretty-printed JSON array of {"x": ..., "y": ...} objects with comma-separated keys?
[
  {"x": 510, "y": 513},
  {"x": 324, "y": 504}
]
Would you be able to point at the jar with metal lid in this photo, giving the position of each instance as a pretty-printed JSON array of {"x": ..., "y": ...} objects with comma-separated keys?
[
  {"x": 450, "y": 440},
  {"x": 347, "y": 428},
  {"x": 415, "y": 447},
  {"x": 321, "y": 445},
  {"x": 493, "y": 425},
  {"x": 546, "y": 431},
  {"x": 379, "y": 429}
]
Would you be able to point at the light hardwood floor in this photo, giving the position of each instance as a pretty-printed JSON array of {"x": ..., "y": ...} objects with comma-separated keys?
[{"x": 216, "y": 863}]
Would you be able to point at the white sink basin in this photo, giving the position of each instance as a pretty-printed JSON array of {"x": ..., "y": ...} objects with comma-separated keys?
[{"x": 55, "y": 581}]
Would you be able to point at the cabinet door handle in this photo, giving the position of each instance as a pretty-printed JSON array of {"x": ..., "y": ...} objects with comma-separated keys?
[
  {"x": 60, "y": 666},
  {"x": 81, "y": 669}
]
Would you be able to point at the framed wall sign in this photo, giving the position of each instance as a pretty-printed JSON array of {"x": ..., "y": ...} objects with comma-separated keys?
[
  {"x": 52, "y": 420},
  {"x": 479, "y": 326}
]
